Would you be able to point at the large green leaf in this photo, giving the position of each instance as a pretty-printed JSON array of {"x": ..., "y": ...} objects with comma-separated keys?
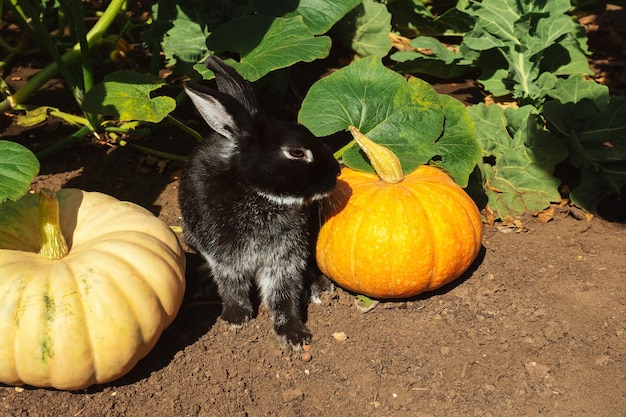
[
  {"x": 492, "y": 133},
  {"x": 180, "y": 28},
  {"x": 125, "y": 95},
  {"x": 319, "y": 15},
  {"x": 565, "y": 58},
  {"x": 18, "y": 167},
  {"x": 497, "y": 18},
  {"x": 597, "y": 135},
  {"x": 266, "y": 43},
  {"x": 535, "y": 38},
  {"x": 520, "y": 48},
  {"x": 436, "y": 50},
  {"x": 457, "y": 147},
  {"x": 366, "y": 29},
  {"x": 520, "y": 179},
  {"x": 517, "y": 185},
  {"x": 405, "y": 116},
  {"x": 576, "y": 88},
  {"x": 180, "y": 32},
  {"x": 414, "y": 17},
  {"x": 481, "y": 40},
  {"x": 595, "y": 130},
  {"x": 549, "y": 31},
  {"x": 440, "y": 62},
  {"x": 185, "y": 41},
  {"x": 408, "y": 117}
]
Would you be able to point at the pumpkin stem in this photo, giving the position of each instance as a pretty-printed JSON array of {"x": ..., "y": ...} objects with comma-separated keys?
[
  {"x": 383, "y": 160},
  {"x": 53, "y": 244}
]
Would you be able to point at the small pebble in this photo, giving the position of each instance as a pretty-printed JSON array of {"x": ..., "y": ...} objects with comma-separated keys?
[{"x": 340, "y": 336}]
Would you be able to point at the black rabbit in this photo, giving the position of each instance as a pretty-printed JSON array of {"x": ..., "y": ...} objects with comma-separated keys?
[{"x": 246, "y": 195}]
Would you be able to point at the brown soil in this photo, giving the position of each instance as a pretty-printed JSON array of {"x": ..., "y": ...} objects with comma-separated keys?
[{"x": 536, "y": 327}]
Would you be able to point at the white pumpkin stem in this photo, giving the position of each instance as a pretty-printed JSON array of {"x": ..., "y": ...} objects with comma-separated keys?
[
  {"x": 383, "y": 160},
  {"x": 53, "y": 244}
]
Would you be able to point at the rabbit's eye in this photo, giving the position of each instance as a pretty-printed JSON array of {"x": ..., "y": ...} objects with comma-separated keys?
[
  {"x": 299, "y": 154},
  {"x": 296, "y": 153}
]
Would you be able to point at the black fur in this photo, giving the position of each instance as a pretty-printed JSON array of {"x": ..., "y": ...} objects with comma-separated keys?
[{"x": 246, "y": 195}]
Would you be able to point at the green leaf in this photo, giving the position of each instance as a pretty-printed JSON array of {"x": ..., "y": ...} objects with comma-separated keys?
[
  {"x": 604, "y": 136},
  {"x": 365, "y": 300},
  {"x": 576, "y": 88},
  {"x": 182, "y": 32},
  {"x": 491, "y": 129},
  {"x": 481, "y": 40},
  {"x": 405, "y": 116},
  {"x": 497, "y": 17},
  {"x": 524, "y": 72},
  {"x": 125, "y": 95},
  {"x": 266, "y": 43},
  {"x": 438, "y": 50},
  {"x": 366, "y": 29},
  {"x": 410, "y": 63},
  {"x": 521, "y": 178},
  {"x": 440, "y": 63},
  {"x": 457, "y": 146},
  {"x": 318, "y": 15},
  {"x": 413, "y": 18},
  {"x": 591, "y": 189},
  {"x": 18, "y": 167},
  {"x": 550, "y": 31},
  {"x": 595, "y": 132},
  {"x": 534, "y": 38},
  {"x": 552, "y": 6},
  {"x": 565, "y": 58},
  {"x": 518, "y": 185}
]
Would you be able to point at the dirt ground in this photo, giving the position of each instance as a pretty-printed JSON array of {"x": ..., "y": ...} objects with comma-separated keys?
[{"x": 537, "y": 326}]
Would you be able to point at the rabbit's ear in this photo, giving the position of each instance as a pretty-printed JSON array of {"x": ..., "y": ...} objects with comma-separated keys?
[
  {"x": 230, "y": 82},
  {"x": 222, "y": 112}
]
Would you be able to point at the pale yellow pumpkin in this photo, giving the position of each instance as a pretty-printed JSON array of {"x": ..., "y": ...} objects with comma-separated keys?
[{"x": 89, "y": 316}]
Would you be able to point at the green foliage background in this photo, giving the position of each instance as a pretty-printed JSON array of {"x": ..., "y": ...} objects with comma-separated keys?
[{"x": 532, "y": 52}]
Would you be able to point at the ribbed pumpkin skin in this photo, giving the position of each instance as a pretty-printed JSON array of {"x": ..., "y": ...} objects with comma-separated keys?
[
  {"x": 91, "y": 316},
  {"x": 398, "y": 240}
]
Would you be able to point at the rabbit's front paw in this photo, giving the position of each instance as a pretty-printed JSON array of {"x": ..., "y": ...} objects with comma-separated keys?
[
  {"x": 236, "y": 314},
  {"x": 293, "y": 332}
]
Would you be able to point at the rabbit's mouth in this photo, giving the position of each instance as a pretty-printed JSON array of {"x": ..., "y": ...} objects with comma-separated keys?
[
  {"x": 292, "y": 200},
  {"x": 283, "y": 200},
  {"x": 320, "y": 196}
]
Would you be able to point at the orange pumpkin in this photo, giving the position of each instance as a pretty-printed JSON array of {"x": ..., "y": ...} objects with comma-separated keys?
[{"x": 400, "y": 237}]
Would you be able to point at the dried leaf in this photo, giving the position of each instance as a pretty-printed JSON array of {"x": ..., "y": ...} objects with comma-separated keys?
[{"x": 546, "y": 215}]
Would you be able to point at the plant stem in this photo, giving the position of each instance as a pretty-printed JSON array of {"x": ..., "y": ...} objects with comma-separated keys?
[
  {"x": 62, "y": 144},
  {"x": 45, "y": 39},
  {"x": 8, "y": 59},
  {"x": 4, "y": 45},
  {"x": 383, "y": 160},
  {"x": 70, "y": 118},
  {"x": 160, "y": 154},
  {"x": 53, "y": 244},
  {"x": 124, "y": 127},
  {"x": 87, "y": 66},
  {"x": 339, "y": 153},
  {"x": 22, "y": 20},
  {"x": 69, "y": 57},
  {"x": 185, "y": 128}
]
